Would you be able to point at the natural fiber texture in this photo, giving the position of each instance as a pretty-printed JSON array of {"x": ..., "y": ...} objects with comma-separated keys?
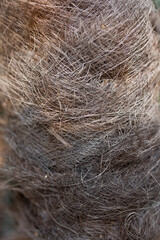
[{"x": 79, "y": 92}]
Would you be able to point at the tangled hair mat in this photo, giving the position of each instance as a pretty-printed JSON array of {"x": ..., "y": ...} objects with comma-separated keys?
[{"x": 80, "y": 121}]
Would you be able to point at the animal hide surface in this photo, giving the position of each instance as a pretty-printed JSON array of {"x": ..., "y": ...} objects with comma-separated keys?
[{"x": 79, "y": 118}]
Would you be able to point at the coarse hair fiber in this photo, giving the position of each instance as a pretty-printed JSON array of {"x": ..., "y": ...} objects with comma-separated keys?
[{"x": 80, "y": 119}]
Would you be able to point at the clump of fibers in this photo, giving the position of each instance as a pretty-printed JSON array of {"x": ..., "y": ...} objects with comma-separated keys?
[{"x": 79, "y": 121}]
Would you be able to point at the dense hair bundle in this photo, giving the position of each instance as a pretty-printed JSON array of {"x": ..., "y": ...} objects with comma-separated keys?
[{"x": 80, "y": 118}]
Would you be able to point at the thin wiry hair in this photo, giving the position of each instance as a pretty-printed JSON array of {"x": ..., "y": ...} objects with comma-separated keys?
[{"x": 80, "y": 119}]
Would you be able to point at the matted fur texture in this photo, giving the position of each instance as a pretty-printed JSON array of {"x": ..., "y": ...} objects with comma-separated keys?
[{"x": 79, "y": 98}]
